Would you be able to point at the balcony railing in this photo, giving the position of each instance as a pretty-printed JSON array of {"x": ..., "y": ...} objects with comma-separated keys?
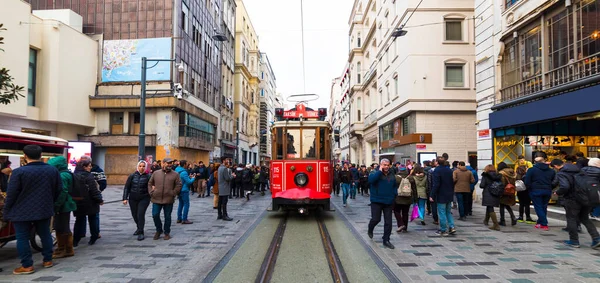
[
  {"x": 571, "y": 72},
  {"x": 371, "y": 119}
]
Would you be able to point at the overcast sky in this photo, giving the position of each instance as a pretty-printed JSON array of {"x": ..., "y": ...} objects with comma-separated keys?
[{"x": 277, "y": 23}]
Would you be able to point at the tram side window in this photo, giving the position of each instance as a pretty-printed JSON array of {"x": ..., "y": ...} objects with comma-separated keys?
[
  {"x": 279, "y": 143},
  {"x": 322, "y": 139},
  {"x": 309, "y": 143}
]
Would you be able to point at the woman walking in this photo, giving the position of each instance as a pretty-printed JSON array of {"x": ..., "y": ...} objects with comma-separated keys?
[
  {"x": 490, "y": 176},
  {"x": 463, "y": 179},
  {"x": 524, "y": 198},
  {"x": 507, "y": 201},
  {"x": 403, "y": 202},
  {"x": 63, "y": 207},
  {"x": 421, "y": 183},
  {"x": 136, "y": 193},
  {"x": 88, "y": 204}
]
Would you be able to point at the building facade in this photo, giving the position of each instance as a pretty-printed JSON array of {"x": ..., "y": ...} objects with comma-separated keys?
[
  {"x": 425, "y": 84},
  {"x": 334, "y": 115},
  {"x": 246, "y": 82},
  {"x": 57, "y": 78},
  {"x": 344, "y": 115},
  {"x": 227, "y": 120},
  {"x": 184, "y": 127},
  {"x": 544, "y": 67},
  {"x": 362, "y": 92},
  {"x": 268, "y": 89}
]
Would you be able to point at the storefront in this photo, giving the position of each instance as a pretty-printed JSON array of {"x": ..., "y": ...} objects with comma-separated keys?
[{"x": 398, "y": 145}]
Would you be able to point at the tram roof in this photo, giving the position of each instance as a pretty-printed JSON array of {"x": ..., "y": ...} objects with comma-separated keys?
[{"x": 306, "y": 123}]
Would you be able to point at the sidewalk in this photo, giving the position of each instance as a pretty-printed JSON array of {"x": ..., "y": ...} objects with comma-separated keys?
[
  {"x": 118, "y": 257},
  {"x": 519, "y": 253}
]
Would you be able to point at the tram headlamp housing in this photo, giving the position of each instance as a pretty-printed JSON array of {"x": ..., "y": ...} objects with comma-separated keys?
[{"x": 301, "y": 179}]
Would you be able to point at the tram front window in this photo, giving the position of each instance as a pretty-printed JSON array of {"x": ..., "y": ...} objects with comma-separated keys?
[
  {"x": 301, "y": 144},
  {"x": 309, "y": 140}
]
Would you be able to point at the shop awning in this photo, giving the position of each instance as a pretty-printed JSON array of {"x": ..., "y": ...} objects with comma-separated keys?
[
  {"x": 572, "y": 103},
  {"x": 12, "y": 143}
]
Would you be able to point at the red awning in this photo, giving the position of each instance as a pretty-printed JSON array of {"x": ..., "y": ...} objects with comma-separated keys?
[{"x": 23, "y": 141}]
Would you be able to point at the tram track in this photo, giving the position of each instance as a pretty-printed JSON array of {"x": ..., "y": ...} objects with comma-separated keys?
[{"x": 333, "y": 260}]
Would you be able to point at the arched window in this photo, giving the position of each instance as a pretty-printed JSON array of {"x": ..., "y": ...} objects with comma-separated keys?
[{"x": 358, "y": 71}]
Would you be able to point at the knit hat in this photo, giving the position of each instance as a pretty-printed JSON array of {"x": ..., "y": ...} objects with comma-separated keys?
[{"x": 594, "y": 162}]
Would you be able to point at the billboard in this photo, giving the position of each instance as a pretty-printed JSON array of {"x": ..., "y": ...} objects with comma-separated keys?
[
  {"x": 122, "y": 59},
  {"x": 76, "y": 150}
]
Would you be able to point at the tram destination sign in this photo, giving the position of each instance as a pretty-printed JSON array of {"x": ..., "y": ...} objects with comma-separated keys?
[{"x": 300, "y": 111}]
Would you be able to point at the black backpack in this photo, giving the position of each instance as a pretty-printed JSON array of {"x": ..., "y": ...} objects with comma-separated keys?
[
  {"x": 587, "y": 190},
  {"x": 246, "y": 176},
  {"x": 80, "y": 189},
  {"x": 496, "y": 188}
]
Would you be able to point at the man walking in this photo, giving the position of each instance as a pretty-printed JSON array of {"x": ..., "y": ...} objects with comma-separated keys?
[
  {"x": 163, "y": 186},
  {"x": 225, "y": 180},
  {"x": 383, "y": 194},
  {"x": 443, "y": 193},
  {"x": 30, "y": 198},
  {"x": 346, "y": 179},
  {"x": 431, "y": 199},
  {"x": 538, "y": 181},
  {"x": 354, "y": 187}
]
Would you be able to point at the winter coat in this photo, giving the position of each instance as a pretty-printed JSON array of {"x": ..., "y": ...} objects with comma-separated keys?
[
  {"x": 215, "y": 186},
  {"x": 566, "y": 183},
  {"x": 31, "y": 192},
  {"x": 346, "y": 177},
  {"x": 354, "y": 173},
  {"x": 383, "y": 187},
  {"x": 538, "y": 179},
  {"x": 202, "y": 172},
  {"x": 99, "y": 176},
  {"x": 413, "y": 197},
  {"x": 225, "y": 179},
  {"x": 475, "y": 177},
  {"x": 486, "y": 182},
  {"x": 429, "y": 174},
  {"x": 262, "y": 177},
  {"x": 64, "y": 203},
  {"x": 136, "y": 187},
  {"x": 92, "y": 197},
  {"x": 247, "y": 184},
  {"x": 443, "y": 185},
  {"x": 363, "y": 177},
  {"x": 186, "y": 181},
  {"x": 421, "y": 182},
  {"x": 582, "y": 162},
  {"x": 463, "y": 179},
  {"x": 166, "y": 185},
  {"x": 508, "y": 177},
  {"x": 336, "y": 176}
]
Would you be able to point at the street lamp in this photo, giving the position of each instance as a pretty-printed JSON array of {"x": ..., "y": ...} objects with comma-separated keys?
[{"x": 142, "y": 135}]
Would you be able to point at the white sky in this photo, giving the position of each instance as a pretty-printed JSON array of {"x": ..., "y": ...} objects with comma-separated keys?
[{"x": 277, "y": 24}]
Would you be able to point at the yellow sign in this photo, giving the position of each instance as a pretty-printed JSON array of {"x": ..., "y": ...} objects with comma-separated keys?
[{"x": 506, "y": 143}]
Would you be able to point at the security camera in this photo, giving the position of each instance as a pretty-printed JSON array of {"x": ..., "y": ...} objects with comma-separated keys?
[{"x": 178, "y": 91}]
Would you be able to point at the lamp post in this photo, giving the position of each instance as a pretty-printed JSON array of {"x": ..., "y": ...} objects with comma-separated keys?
[{"x": 142, "y": 135}]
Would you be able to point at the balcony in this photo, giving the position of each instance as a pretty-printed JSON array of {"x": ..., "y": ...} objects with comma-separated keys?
[
  {"x": 570, "y": 73},
  {"x": 357, "y": 129},
  {"x": 371, "y": 119}
]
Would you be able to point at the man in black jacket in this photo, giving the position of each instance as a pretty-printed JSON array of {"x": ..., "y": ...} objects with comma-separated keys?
[
  {"x": 336, "y": 180},
  {"x": 346, "y": 179},
  {"x": 576, "y": 212}
]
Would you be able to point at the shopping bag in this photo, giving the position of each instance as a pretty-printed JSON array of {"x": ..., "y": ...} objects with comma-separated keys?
[{"x": 415, "y": 212}]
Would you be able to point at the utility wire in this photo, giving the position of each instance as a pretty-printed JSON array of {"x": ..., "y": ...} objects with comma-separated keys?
[
  {"x": 412, "y": 13},
  {"x": 303, "y": 62}
]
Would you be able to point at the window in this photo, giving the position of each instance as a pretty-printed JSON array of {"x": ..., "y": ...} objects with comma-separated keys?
[
  {"x": 31, "y": 84},
  {"x": 184, "y": 17},
  {"x": 387, "y": 90},
  {"x": 358, "y": 71},
  {"x": 561, "y": 39},
  {"x": 193, "y": 127},
  {"x": 405, "y": 125},
  {"x": 358, "y": 40},
  {"x": 588, "y": 34},
  {"x": 510, "y": 64},
  {"x": 358, "y": 107},
  {"x": 387, "y": 132},
  {"x": 509, "y": 3},
  {"x": 453, "y": 29},
  {"x": 454, "y": 75},
  {"x": 116, "y": 123},
  {"x": 396, "y": 85}
]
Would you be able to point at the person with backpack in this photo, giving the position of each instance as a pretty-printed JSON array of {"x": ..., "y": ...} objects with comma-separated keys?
[
  {"x": 407, "y": 195},
  {"x": 574, "y": 187},
  {"x": 463, "y": 179},
  {"x": 421, "y": 182},
  {"x": 508, "y": 199},
  {"x": 523, "y": 195},
  {"x": 63, "y": 207},
  {"x": 136, "y": 194},
  {"x": 469, "y": 197},
  {"x": 538, "y": 180},
  {"x": 493, "y": 188},
  {"x": 346, "y": 179},
  {"x": 88, "y": 198},
  {"x": 443, "y": 193}
]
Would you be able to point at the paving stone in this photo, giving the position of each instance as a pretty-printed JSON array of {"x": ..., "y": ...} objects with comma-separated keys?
[
  {"x": 407, "y": 264},
  {"x": 137, "y": 280},
  {"x": 454, "y": 277},
  {"x": 523, "y": 271},
  {"x": 520, "y": 281},
  {"x": 133, "y": 266},
  {"x": 476, "y": 276},
  {"x": 46, "y": 279},
  {"x": 486, "y": 263},
  {"x": 115, "y": 275},
  {"x": 437, "y": 272}
]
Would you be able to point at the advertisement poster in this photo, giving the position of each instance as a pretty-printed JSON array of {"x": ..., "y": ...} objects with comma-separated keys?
[
  {"x": 77, "y": 150},
  {"x": 122, "y": 59}
]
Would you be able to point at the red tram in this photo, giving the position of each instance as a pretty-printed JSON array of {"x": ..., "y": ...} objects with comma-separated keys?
[{"x": 301, "y": 166}]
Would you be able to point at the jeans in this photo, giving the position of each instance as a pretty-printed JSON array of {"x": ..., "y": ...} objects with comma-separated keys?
[
  {"x": 596, "y": 211},
  {"x": 422, "y": 204},
  {"x": 578, "y": 213},
  {"x": 184, "y": 206},
  {"x": 79, "y": 229},
  {"x": 138, "y": 212},
  {"x": 468, "y": 203},
  {"x": 376, "y": 209},
  {"x": 168, "y": 209},
  {"x": 445, "y": 214},
  {"x": 353, "y": 189},
  {"x": 524, "y": 203},
  {"x": 97, "y": 222},
  {"x": 23, "y": 232},
  {"x": 462, "y": 205},
  {"x": 434, "y": 211},
  {"x": 540, "y": 204},
  {"x": 345, "y": 192},
  {"x": 401, "y": 214}
]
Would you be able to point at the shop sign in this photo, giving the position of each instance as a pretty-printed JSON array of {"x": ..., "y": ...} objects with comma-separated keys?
[
  {"x": 393, "y": 142},
  {"x": 421, "y": 147},
  {"x": 506, "y": 143},
  {"x": 483, "y": 134}
]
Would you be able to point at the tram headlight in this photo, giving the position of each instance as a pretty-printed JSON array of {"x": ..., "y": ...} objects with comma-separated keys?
[{"x": 301, "y": 179}]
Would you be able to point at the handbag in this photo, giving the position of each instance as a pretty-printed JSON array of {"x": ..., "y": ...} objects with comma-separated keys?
[
  {"x": 520, "y": 185},
  {"x": 415, "y": 212}
]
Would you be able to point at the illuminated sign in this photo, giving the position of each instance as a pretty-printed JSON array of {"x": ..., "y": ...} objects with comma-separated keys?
[
  {"x": 300, "y": 112},
  {"x": 76, "y": 151}
]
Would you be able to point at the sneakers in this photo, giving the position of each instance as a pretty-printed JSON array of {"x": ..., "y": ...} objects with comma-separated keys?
[
  {"x": 572, "y": 244},
  {"x": 48, "y": 264},
  {"x": 538, "y": 226},
  {"x": 344, "y": 205},
  {"x": 157, "y": 235},
  {"x": 596, "y": 243},
  {"x": 23, "y": 270},
  {"x": 520, "y": 220},
  {"x": 529, "y": 221},
  {"x": 441, "y": 233},
  {"x": 400, "y": 228},
  {"x": 140, "y": 237},
  {"x": 452, "y": 231},
  {"x": 545, "y": 227}
]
